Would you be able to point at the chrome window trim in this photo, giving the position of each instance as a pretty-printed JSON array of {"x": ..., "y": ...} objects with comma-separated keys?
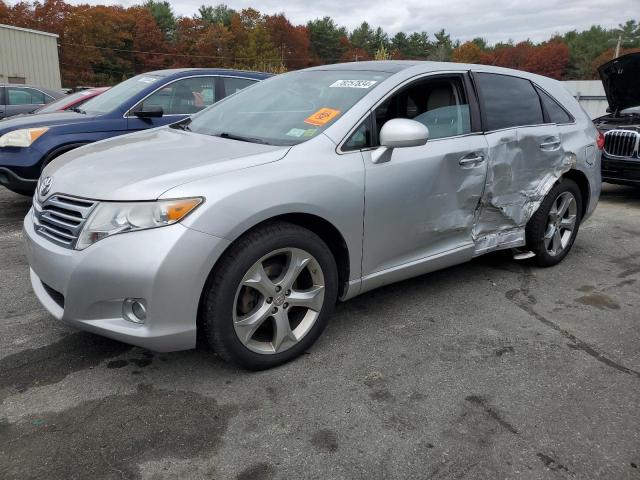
[{"x": 128, "y": 114}]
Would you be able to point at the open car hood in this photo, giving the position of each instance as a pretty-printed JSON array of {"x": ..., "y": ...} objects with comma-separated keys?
[{"x": 621, "y": 80}]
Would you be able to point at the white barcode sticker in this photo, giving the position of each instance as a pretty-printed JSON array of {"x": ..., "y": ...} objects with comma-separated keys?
[{"x": 353, "y": 84}]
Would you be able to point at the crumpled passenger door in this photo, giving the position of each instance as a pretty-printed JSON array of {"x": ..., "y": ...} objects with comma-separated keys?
[{"x": 523, "y": 164}]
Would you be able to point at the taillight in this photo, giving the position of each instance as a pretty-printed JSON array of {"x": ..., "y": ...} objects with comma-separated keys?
[{"x": 600, "y": 140}]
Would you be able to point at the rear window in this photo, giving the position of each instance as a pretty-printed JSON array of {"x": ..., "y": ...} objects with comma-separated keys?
[
  {"x": 508, "y": 101},
  {"x": 555, "y": 113}
]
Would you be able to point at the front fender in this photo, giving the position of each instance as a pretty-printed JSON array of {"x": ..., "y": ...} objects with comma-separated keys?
[{"x": 329, "y": 186}]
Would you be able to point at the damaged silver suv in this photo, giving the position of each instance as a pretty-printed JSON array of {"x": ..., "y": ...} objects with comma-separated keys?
[{"x": 243, "y": 225}]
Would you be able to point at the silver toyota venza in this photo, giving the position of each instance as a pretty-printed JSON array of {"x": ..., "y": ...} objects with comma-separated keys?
[{"x": 243, "y": 225}]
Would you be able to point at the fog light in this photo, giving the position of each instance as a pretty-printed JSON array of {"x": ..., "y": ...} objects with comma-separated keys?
[{"x": 134, "y": 310}]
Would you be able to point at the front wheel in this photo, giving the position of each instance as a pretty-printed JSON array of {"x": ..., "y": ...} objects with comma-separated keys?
[
  {"x": 269, "y": 298},
  {"x": 554, "y": 227}
]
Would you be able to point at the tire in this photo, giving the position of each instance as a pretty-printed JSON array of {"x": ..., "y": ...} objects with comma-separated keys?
[
  {"x": 235, "y": 295},
  {"x": 545, "y": 232}
]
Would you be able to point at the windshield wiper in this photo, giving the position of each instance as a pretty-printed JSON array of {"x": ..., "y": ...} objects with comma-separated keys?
[
  {"x": 78, "y": 110},
  {"x": 232, "y": 136},
  {"x": 182, "y": 125}
]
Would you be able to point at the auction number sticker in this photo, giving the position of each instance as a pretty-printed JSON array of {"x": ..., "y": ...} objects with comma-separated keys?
[
  {"x": 353, "y": 84},
  {"x": 322, "y": 116}
]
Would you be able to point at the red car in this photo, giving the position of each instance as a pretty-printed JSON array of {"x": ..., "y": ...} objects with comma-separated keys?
[{"x": 71, "y": 101}]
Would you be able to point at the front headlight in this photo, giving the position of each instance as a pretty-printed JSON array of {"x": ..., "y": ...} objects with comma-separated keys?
[
  {"x": 22, "y": 138},
  {"x": 110, "y": 218}
]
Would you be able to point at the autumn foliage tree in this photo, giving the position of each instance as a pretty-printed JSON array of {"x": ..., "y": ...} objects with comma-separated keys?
[
  {"x": 468, "y": 52},
  {"x": 549, "y": 59}
]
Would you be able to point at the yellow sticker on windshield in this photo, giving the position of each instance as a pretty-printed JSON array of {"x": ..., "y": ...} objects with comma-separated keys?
[{"x": 322, "y": 116}]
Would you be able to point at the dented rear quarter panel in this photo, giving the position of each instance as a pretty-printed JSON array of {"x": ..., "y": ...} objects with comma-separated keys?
[{"x": 520, "y": 173}]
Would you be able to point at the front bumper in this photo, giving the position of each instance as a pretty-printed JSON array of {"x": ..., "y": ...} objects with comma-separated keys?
[
  {"x": 20, "y": 168},
  {"x": 16, "y": 183},
  {"x": 623, "y": 172},
  {"x": 167, "y": 267}
]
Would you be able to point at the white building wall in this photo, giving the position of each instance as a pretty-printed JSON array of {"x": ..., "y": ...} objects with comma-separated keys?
[
  {"x": 590, "y": 94},
  {"x": 29, "y": 54}
]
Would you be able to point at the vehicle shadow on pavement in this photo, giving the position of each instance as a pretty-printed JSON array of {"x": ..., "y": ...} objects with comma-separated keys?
[{"x": 620, "y": 194}]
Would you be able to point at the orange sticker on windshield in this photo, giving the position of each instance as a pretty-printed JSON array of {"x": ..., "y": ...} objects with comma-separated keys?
[{"x": 322, "y": 116}]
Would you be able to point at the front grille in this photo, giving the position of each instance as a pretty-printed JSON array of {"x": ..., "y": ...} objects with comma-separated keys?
[
  {"x": 60, "y": 218},
  {"x": 621, "y": 143}
]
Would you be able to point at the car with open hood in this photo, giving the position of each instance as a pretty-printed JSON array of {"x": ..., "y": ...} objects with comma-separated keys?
[
  {"x": 28, "y": 143},
  {"x": 621, "y": 126},
  {"x": 242, "y": 225}
]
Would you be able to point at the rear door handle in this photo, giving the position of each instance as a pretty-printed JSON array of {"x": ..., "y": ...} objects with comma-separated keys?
[
  {"x": 471, "y": 159},
  {"x": 552, "y": 143}
]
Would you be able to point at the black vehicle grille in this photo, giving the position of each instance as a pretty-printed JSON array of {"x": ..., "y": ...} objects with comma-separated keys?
[
  {"x": 60, "y": 218},
  {"x": 621, "y": 143}
]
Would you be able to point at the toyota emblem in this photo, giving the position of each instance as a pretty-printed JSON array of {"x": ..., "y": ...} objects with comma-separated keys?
[{"x": 45, "y": 185}]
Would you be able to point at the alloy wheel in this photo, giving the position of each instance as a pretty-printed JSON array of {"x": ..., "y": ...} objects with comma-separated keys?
[
  {"x": 561, "y": 223},
  {"x": 278, "y": 300}
]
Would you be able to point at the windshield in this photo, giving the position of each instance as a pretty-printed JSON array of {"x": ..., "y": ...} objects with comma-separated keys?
[
  {"x": 288, "y": 109},
  {"x": 116, "y": 96}
]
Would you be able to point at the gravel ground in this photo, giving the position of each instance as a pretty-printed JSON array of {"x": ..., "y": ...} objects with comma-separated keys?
[{"x": 493, "y": 369}]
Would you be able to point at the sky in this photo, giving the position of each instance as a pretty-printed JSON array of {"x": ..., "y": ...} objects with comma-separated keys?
[{"x": 495, "y": 21}]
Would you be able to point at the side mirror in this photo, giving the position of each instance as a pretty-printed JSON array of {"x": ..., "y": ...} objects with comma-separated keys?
[
  {"x": 399, "y": 133},
  {"x": 150, "y": 111}
]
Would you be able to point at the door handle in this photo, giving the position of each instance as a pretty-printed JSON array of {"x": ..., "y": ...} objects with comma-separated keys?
[
  {"x": 550, "y": 144},
  {"x": 471, "y": 159}
]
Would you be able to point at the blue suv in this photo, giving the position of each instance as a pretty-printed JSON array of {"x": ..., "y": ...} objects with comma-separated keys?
[{"x": 149, "y": 100}]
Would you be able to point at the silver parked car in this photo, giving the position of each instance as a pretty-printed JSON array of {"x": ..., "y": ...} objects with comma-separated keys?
[{"x": 244, "y": 224}]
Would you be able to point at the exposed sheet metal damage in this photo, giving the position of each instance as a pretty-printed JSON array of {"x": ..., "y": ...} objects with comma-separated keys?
[{"x": 514, "y": 198}]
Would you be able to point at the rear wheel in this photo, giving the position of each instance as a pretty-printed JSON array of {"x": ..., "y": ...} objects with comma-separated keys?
[
  {"x": 270, "y": 297},
  {"x": 554, "y": 227}
]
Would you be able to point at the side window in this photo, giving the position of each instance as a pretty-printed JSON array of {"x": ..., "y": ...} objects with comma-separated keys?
[
  {"x": 233, "y": 85},
  {"x": 508, "y": 101},
  {"x": 184, "y": 97},
  {"x": 24, "y": 96},
  {"x": 438, "y": 103},
  {"x": 360, "y": 138},
  {"x": 555, "y": 113},
  {"x": 38, "y": 97}
]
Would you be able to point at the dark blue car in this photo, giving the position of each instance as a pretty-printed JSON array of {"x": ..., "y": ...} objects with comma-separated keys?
[{"x": 149, "y": 100}]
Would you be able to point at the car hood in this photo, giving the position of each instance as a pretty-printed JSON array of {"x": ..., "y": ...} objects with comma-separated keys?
[
  {"x": 143, "y": 165},
  {"x": 41, "y": 120},
  {"x": 620, "y": 80}
]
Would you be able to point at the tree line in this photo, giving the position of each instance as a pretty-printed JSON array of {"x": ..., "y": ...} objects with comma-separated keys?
[{"x": 103, "y": 45}]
